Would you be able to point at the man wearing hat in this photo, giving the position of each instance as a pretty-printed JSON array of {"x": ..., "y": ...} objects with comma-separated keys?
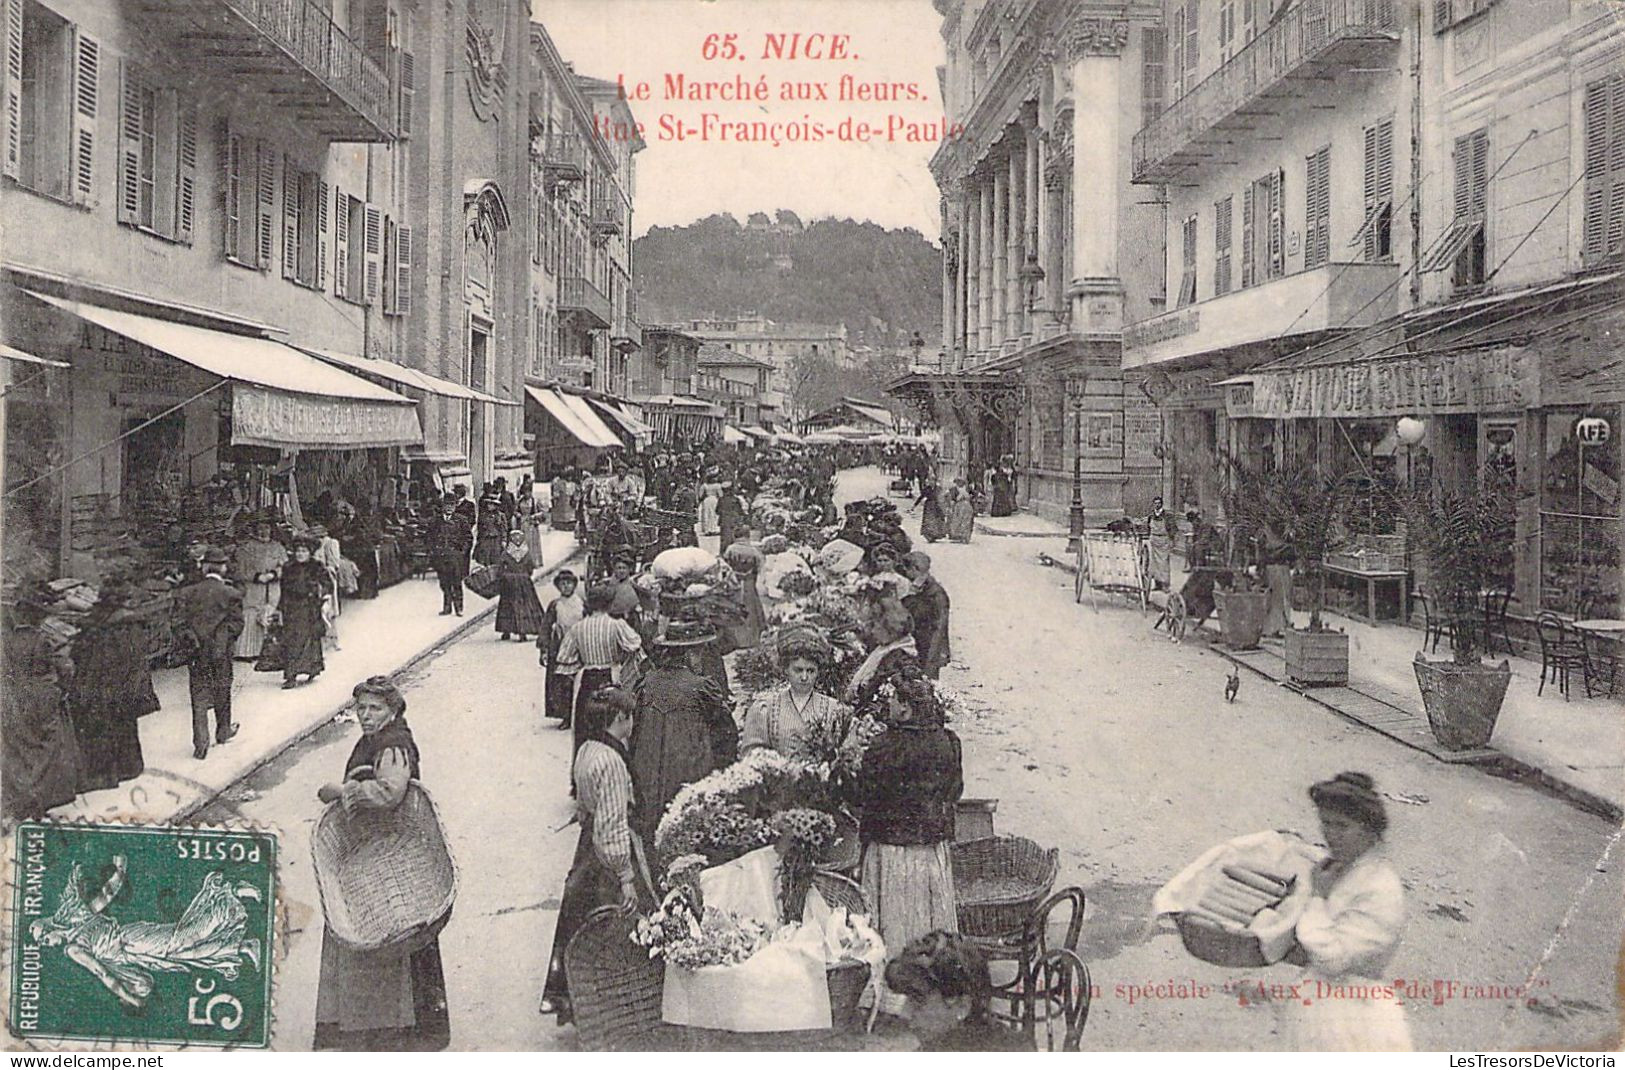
[
  {"x": 684, "y": 727},
  {"x": 209, "y": 618},
  {"x": 449, "y": 540}
]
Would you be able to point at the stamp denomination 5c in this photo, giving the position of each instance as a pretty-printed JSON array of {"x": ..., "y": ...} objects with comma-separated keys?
[{"x": 129, "y": 933}]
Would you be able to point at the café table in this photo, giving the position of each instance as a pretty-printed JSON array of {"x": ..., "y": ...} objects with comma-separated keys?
[{"x": 1613, "y": 629}]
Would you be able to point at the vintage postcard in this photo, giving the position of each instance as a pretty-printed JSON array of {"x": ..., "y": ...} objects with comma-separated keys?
[{"x": 812, "y": 525}]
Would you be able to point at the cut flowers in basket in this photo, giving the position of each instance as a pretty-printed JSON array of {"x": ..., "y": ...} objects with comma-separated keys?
[
  {"x": 724, "y": 815},
  {"x": 693, "y": 939}
]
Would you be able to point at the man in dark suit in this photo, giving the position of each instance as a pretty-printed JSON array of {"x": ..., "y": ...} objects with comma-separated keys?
[
  {"x": 209, "y": 618},
  {"x": 449, "y": 541}
]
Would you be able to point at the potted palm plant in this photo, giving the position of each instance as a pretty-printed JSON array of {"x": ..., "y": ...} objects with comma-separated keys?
[
  {"x": 1306, "y": 506},
  {"x": 1243, "y": 606},
  {"x": 1466, "y": 539}
]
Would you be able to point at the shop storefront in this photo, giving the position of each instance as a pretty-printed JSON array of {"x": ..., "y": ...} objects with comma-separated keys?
[{"x": 564, "y": 431}]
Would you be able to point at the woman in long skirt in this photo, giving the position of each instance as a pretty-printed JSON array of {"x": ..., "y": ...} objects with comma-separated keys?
[
  {"x": 609, "y": 866},
  {"x": 530, "y": 518},
  {"x": 112, "y": 686},
  {"x": 961, "y": 512},
  {"x": 562, "y": 614},
  {"x": 257, "y": 568},
  {"x": 933, "y": 521},
  {"x": 561, "y": 510},
  {"x": 910, "y": 780},
  {"x": 519, "y": 611},
  {"x": 491, "y": 527},
  {"x": 305, "y": 584},
  {"x": 41, "y": 756},
  {"x": 387, "y": 1000}
]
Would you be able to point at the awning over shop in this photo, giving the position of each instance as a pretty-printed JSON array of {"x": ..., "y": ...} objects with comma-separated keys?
[
  {"x": 757, "y": 432},
  {"x": 733, "y": 436},
  {"x": 281, "y": 397},
  {"x": 399, "y": 373},
  {"x": 575, "y": 416},
  {"x": 12, "y": 353},
  {"x": 641, "y": 433},
  {"x": 678, "y": 403}
]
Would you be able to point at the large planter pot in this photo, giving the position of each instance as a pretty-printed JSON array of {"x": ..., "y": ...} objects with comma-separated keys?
[
  {"x": 1462, "y": 701},
  {"x": 1241, "y": 617},
  {"x": 1317, "y": 659}
]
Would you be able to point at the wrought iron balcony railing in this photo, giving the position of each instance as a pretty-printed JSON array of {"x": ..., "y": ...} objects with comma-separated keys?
[
  {"x": 305, "y": 34},
  {"x": 580, "y": 298},
  {"x": 1311, "y": 37}
]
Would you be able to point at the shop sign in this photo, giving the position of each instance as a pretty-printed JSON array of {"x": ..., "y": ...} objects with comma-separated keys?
[
  {"x": 273, "y": 418},
  {"x": 1142, "y": 430},
  {"x": 1238, "y": 400},
  {"x": 1163, "y": 328},
  {"x": 1593, "y": 431},
  {"x": 1487, "y": 381}
]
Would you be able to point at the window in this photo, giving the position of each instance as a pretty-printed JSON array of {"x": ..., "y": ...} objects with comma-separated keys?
[
  {"x": 1376, "y": 236},
  {"x": 51, "y": 78},
  {"x": 406, "y": 94},
  {"x": 1187, "y": 277},
  {"x": 1153, "y": 69},
  {"x": 1051, "y": 431},
  {"x": 1604, "y": 226},
  {"x": 1317, "y": 199},
  {"x": 304, "y": 226},
  {"x": 1262, "y": 240},
  {"x": 1176, "y": 53},
  {"x": 157, "y": 157},
  {"x": 1192, "y": 36},
  {"x": 1221, "y": 246},
  {"x": 248, "y": 183},
  {"x": 1227, "y": 29},
  {"x": 397, "y": 267},
  {"x": 1448, "y": 13},
  {"x": 358, "y": 241},
  {"x": 1461, "y": 247}
]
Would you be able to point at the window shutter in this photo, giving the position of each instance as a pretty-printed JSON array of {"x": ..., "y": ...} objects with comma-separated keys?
[
  {"x": 1461, "y": 154},
  {"x": 1479, "y": 202},
  {"x": 408, "y": 94},
  {"x": 389, "y": 266},
  {"x": 1193, "y": 35},
  {"x": 87, "y": 63},
  {"x": 290, "y": 220},
  {"x": 1614, "y": 237},
  {"x": 1441, "y": 15},
  {"x": 372, "y": 251},
  {"x": 323, "y": 210},
  {"x": 341, "y": 243},
  {"x": 13, "y": 155},
  {"x": 1247, "y": 253},
  {"x": 186, "y": 172},
  {"x": 166, "y": 139},
  {"x": 403, "y": 270},
  {"x": 1277, "y": 244},
  {"x": 1597, "y": 110},
  {"x": 129, "y": 144},
  {"x": 1176, "y": 55},
  {"x": 1221, "y": 246},
  {"x": 231, "y": 190},
  {"x": 1153, "y": 62},
  {"x": 265, "y": 207},
  {"x": 1317, "y": 209}
]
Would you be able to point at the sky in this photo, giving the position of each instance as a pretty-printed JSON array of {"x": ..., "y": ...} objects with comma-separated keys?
[{"x": 695, "y": 166}]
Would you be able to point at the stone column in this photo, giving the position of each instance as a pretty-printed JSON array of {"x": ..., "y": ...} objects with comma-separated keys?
[
  {"x": 1001, "y": 253},
  {"x": 962, "y": 289},
  {"x": 1015, "y": 301},
  {"x": 1057, "y": 266},
  {"x": 950, "y": 250},
  {"x": 1095, "y": 47},
  {"x": 1035, "y": 213},
  {"x": 985, "y": 277}
]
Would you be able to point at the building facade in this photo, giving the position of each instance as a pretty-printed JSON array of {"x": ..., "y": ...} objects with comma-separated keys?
[
  {"x": 1043, "y": 244},
  {"x": 1379, "y": 211},
  {"x": 733, "y": 382},
  {"x": 780, "y": 344}
]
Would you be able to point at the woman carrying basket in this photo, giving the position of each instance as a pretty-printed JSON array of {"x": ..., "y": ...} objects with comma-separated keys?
[{"x": 387, "y": 1000}]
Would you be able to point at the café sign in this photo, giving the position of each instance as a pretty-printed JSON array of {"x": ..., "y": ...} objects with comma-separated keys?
[{"x": 1500, "y": 380}]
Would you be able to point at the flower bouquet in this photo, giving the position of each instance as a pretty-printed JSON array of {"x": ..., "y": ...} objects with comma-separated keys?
[
  {"x": 693, "y": 937},
  {"x": 726, "y": 814},
  {"x": 833, "y": 747}
]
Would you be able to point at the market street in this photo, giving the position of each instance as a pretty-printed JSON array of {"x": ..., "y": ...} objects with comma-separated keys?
[{"x": 1095, "y": 735}]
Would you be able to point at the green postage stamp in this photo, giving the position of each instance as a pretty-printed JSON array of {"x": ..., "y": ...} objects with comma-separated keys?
[{"x": 126, "y": 933}]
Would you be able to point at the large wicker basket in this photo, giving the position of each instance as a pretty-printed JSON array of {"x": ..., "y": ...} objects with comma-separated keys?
[
  {"x": 1208, "y": 942},
  {"x": 386, "y": 877},
  {"x": 846, "y": 979},
  {"x": 998, "y": 881}
]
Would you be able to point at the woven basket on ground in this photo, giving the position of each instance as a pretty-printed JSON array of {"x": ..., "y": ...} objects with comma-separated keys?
[
  {"x": 998, "y": 881},
  {"x": 386, "y": 877},
  {"x": 615, "y": 987},
  {"x": 1208, "y": 942}
]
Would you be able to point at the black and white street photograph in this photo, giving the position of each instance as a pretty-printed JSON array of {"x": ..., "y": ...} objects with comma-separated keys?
[{"x": 840, "y": 526}]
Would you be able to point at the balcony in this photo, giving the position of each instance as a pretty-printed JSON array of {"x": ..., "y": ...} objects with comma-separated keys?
[
  {"x": 606, "y": 223},
  {"x": 627, "y": 335},
  {"x": 1313, "y": 40},
  {"x": 1326, "y": 298},
  {"x": 583, "y": 302},
  {"x": 289, "y": 52},
  {"x": 564, "y": 159}
]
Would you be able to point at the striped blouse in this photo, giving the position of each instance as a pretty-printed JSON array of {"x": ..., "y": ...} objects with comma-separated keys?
[
  {"x": 773, "y": 721},
  {"x": 598, "y": 641},
  {"x": 604, "y": 793}
]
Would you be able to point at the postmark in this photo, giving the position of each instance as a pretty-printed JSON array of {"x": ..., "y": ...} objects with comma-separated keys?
[{"x": 130, "y": 933}]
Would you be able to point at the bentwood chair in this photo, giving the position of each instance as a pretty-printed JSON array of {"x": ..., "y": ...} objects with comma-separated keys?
[
  {"x": 1058, "y": 1000},
  {"x": 1601, "y": 661},
  {"x": 1560, "y": 651},
  {"x": 1495, "y": 621},
  {"x": 1023, "y": 950},
  {"x": 1435, "y": 625}
]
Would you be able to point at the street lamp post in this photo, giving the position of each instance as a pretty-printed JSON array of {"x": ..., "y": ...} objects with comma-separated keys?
[{"x": 1075, "y": 387}]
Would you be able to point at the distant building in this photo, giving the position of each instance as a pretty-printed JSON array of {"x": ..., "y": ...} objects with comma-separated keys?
[
  {"x": 852, "y": 412},
  {"x": 733, "y": 381},
  {"x": 662, "y": 383},
  {"x": 780, "y": 344}
]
